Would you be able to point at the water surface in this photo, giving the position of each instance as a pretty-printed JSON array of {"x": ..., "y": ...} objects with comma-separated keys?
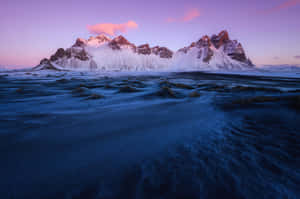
[{"x": 172, "y": 135}]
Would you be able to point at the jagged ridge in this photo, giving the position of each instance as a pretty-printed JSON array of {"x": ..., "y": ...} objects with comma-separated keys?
[{"x": 104, "y": 53}]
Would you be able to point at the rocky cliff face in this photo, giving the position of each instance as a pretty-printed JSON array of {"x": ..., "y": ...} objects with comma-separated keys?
[
  {"x": 120, "y": 43},
  {"x": 104, "y": 53},
  {"x": 207, "y": 47},
  {"x": 162, "y": 52},
  {"x": 84, "y": 53}
]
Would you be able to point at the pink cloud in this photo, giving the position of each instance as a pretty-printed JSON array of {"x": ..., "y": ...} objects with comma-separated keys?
[
  {"x": 189, "y": 15},
  {"x": 111, "y": 29},
  {"x": 284, "y": 5}
]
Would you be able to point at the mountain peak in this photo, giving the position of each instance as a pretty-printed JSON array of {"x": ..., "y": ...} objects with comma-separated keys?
[
  {"x": 224, "y": 34},
  {"x": 121, "y": 40},
  {"x": 220, "y": 39},
  {"x": 98, "y": 40},
  {"x": 80, "y": 42},
  {"x": 103, "y": 37}
]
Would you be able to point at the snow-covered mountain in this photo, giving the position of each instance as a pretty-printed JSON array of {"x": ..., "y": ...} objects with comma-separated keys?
[
  {"x": 212, "y": 53},
  {"x": 118, "y": 54}
]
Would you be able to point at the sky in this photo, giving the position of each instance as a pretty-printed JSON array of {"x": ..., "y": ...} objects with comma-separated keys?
[{"x": 30, "y": 30}]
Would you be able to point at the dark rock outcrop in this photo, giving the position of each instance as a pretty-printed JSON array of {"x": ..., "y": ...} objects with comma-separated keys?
[
  {"x": 166, "y": 92},
  {"x": 60, "y": 53},
  {"x": 208, "y": 56},
  {"x": 44, "y": 61},
  {"x": 94, "y": 96},
  {"x": 45, "y": 64},
  {"x": 235, "y": 50},
  {"x": 82, "y": 55},
  {"x": 128, "y": 89},
  {"x": 162, "y": 52},
  {"x": 114, "y": 45},
  {"x": 144, "y": 49},
  {"x": 203, "y": 42},
  {"x": 220, "y": 39},
  {"x": 194, "y": 94},
  {"x": 205, "y": 53}
]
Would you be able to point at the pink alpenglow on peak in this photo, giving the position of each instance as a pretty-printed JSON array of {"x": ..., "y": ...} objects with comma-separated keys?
[{"x": 111, "y": 29}]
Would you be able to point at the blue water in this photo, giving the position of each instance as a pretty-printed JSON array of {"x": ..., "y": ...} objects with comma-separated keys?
[{"x": 56, "y": 142}]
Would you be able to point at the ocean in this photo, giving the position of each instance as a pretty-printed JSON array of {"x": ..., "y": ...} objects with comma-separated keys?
[{"x": 153, "y": 135}]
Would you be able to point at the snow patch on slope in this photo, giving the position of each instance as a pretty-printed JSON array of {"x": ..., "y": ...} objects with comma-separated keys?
[{"x": 126, "y": 60}]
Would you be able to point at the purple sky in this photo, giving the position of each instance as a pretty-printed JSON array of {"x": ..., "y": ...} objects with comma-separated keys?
[{"x": 33, "y": 29}]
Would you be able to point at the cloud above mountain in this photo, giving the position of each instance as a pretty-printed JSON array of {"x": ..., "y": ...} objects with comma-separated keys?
[
  {"x": 286, "y": 4},
  {"x": 111, "y": 29},
  {"x": 189, "y": 15}
]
